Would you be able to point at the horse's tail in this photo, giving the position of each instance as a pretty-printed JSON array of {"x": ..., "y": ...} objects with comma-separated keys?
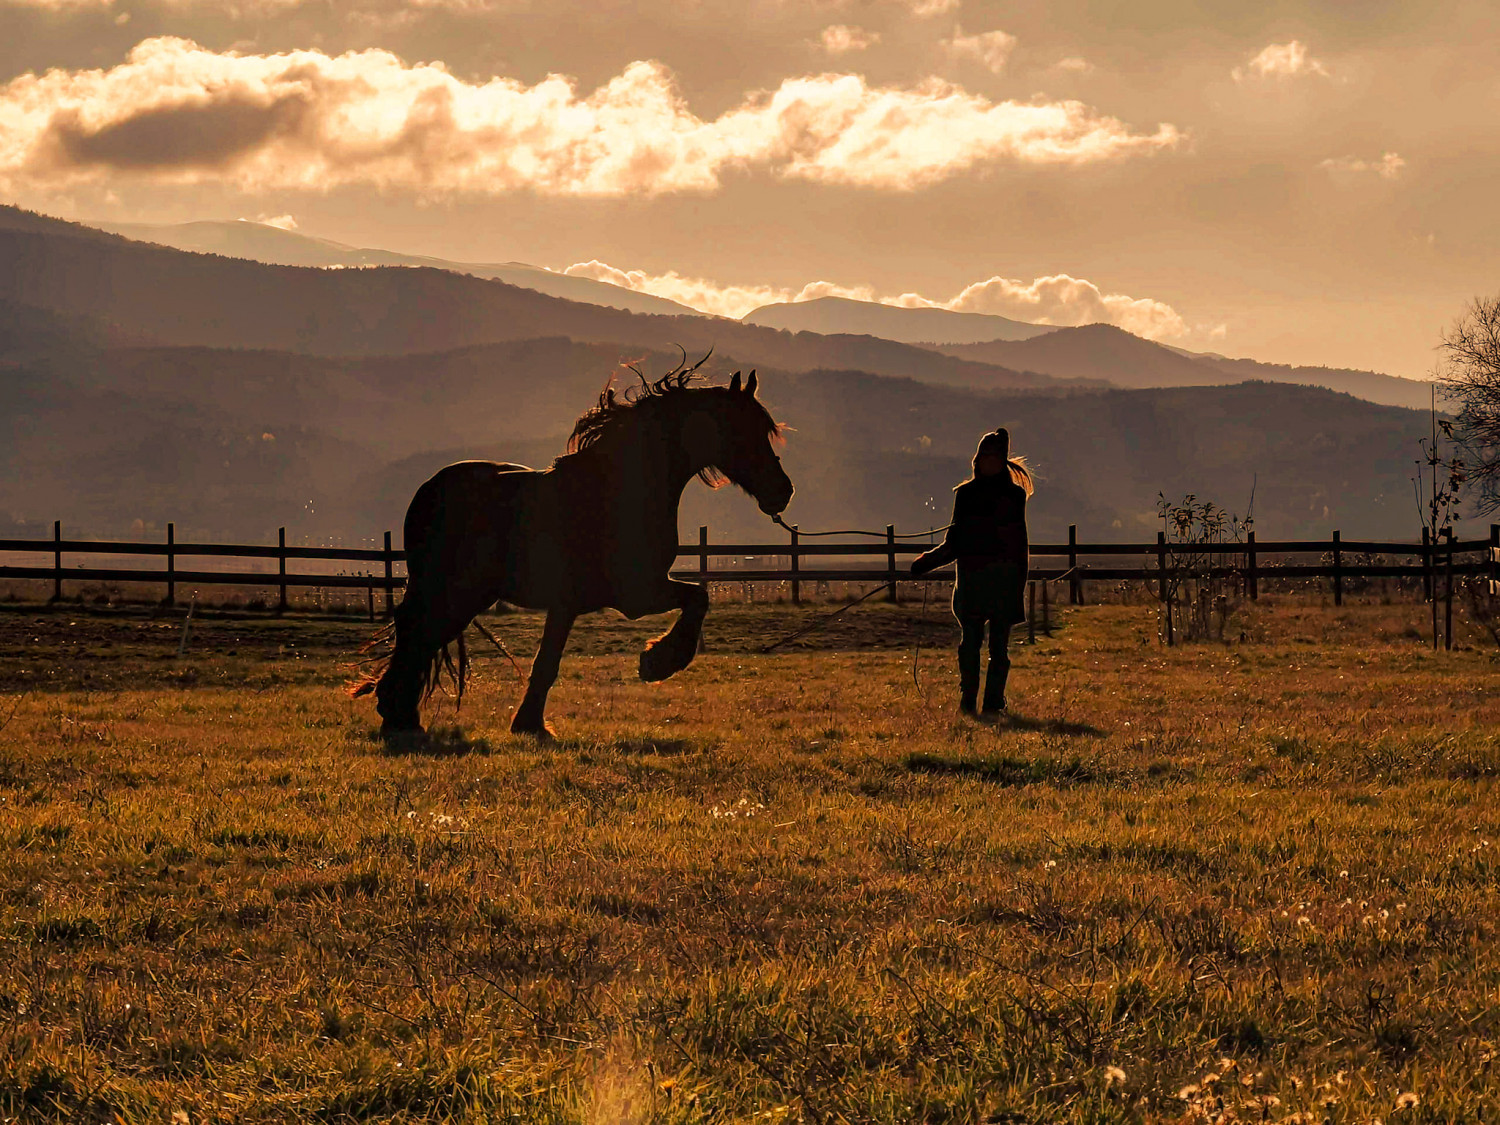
[
  {"x": 382, "y": 646},
  {"x": 444, "y": 663},
  {"x": 457, "y": 670}
]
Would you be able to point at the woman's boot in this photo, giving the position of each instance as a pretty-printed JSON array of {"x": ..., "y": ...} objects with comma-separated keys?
[
  {"x": 968, "y": 666},
  {"x": 994, "y": 685}
]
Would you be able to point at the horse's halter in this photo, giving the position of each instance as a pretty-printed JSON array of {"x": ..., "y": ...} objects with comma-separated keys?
[{"x": 752, "y": 465}]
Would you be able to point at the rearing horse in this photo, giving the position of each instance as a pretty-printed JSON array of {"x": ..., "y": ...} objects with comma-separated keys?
[{"x": 597, "y": 530}]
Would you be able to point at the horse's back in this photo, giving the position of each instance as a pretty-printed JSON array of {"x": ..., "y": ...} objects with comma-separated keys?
[{"x": 467, "y": 500}]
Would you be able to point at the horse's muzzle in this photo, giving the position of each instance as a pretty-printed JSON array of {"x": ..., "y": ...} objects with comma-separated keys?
[{"x": 774, "y": 500}]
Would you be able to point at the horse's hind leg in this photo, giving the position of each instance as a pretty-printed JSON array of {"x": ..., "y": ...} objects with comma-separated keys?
[
  {"x": 426, "y": 623},
  {"x": 398, "y": 695},
  {"x": 529, "y": 718}
]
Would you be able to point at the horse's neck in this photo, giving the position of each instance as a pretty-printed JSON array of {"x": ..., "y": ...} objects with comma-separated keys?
[{"x": 653, "y": 467}]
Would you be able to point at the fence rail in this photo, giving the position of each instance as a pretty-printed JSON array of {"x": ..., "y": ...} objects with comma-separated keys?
[{"x": 1251, "y": 560}]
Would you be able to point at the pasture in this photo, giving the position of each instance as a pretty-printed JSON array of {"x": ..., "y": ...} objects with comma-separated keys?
[{"x": 1250, "y": 881}]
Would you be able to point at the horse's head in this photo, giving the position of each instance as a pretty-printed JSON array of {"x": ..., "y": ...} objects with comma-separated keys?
[{"x": 736, "y": 437}]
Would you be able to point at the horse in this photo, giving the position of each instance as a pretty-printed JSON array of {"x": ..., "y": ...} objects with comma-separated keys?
[{"x": 597, "y": 530}]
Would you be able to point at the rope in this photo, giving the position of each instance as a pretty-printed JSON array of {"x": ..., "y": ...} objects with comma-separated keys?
[
  {"x": 505, "y": 652},
  {"x": 926, "y": 588},
  {"x": 820, "y": 622},
  {"x": 916, "y": 654},
  {"x": 877, "y": 534}
]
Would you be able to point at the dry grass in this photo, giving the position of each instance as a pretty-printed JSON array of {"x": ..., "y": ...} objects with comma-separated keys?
[{"x": 1239, "y": 882}]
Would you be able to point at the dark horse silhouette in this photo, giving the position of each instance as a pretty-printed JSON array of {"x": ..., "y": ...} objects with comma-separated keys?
[{"x": 597, "y": 530}]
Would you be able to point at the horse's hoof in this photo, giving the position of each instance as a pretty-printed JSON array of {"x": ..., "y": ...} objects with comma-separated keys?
[
  {"x": 662, "y": 660},
  {"x": 654, "y": 668},
  {"x": 542, "y": 732}
]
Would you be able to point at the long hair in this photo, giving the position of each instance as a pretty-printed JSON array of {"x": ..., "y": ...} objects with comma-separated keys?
[{"x": 1021, "y": 473}]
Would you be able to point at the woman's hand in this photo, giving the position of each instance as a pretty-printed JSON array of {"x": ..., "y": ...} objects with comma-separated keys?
[{"x": 922, "y": 563}]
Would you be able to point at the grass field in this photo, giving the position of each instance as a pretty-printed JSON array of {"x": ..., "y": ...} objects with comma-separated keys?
[{"x": 1230, "y": 882}]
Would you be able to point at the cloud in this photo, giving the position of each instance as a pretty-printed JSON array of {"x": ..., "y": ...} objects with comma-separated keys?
[
  {"x": 709, "y": 296},
  {"x": 1388, "y": 167},
  {"x": 1059, "y": 299},
  {"x": 1281, "y": 61},
  {"x": 281, "y": 222},
  {"x": 926, "y": 9},
  {"x": 990, "y": 48},
  {"x": 176, "y": 112},
  {"x": 840, "y": 39},
  {"x": 1074, "y": 64}
]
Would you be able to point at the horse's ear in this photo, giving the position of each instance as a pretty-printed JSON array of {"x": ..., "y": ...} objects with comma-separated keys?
[
  {"x": 734, "y": 384},
  {"x": 751, "y": 383}
]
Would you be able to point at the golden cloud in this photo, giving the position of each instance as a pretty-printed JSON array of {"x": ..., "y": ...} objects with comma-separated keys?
[
  {"x": 1281, "y": 60},
  {"x": 1064, "y": 300},
  {"x": 840, "y": 39},
  {"x": 990, "y": 49},
  {"x": 176, "y": 112},
  {"x": 1388, "y": 167},
  {"x": 1060, "y": 299}
]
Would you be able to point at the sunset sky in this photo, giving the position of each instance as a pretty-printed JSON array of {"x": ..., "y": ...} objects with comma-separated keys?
[{"x": 1301, "y": 183}]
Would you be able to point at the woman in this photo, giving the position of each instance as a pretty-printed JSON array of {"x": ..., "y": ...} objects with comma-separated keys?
[{"x": 988, "y": 538}]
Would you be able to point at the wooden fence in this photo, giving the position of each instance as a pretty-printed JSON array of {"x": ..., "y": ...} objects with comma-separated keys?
[{"x": 1337, "y": 560}]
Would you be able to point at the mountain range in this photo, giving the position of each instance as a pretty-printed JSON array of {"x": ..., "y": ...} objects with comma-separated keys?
[
  {"x": 263, "y": 242},
  {"x": 141, "y": 384},
  {"x": 179, "y": 298},
  {"x": 842, "y": 316},
  {"x": 1125, "y": 360}
]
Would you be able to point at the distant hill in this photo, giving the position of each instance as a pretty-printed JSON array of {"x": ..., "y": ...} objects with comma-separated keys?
[
  {"x": 1102, "y": 351},
  {"x": 234, "y": 443},
  {"x": 182, "y": 298},
  {"x": 1391, "y": 390},
  {"x": 260, "y": 242},
  {"x": 840, "y": 315}
]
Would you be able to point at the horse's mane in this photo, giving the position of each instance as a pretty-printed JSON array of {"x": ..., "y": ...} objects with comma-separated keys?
[{"x": 615, "y": 407}]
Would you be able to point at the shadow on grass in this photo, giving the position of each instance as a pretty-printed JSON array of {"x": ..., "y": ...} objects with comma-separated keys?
[
  {"x": 648, "y": 744},
  {"x": 454, "y": 742},
  {"x": 438, "y": 742},
  {"x": 1009, "y": 720},
  {"x": 1009, "y": 771},
  {"x": 635, "y": 744}
]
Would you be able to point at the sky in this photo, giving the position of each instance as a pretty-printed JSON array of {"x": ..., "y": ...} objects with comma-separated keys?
[{"x": 1308, "y": 183}]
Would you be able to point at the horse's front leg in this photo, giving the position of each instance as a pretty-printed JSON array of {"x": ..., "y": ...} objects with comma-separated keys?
[
  {"x": 674, "y": 650},
  {"x": 529, "y": 715}
]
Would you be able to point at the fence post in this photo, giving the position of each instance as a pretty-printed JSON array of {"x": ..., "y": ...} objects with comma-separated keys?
[
  {"x": 390, "y": 592},
  {"x": 1252, "y": 576},
  {"x": 1031, "y": 613},
  {"x": 1426, "y": 567},
  {"x": 171, "y": 564},
  {"x": 703, "y": 575},
  {"x": 890, "y": 561},
  {"x": 281, "y": 572},
  {"x": 1161, "y": 562},
  {"x": 1075, "y": 585},
  {"x": 1161, "y": 567},
  {"x": 57, "y": 560},
  {"x": 796, "y": 585},
  {"x": 1338, "y": 574},
  {"x": 1495, "y": 560},
  {"x": 1448, "y": 592},
  {"x": 1046, "y": 608}
]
